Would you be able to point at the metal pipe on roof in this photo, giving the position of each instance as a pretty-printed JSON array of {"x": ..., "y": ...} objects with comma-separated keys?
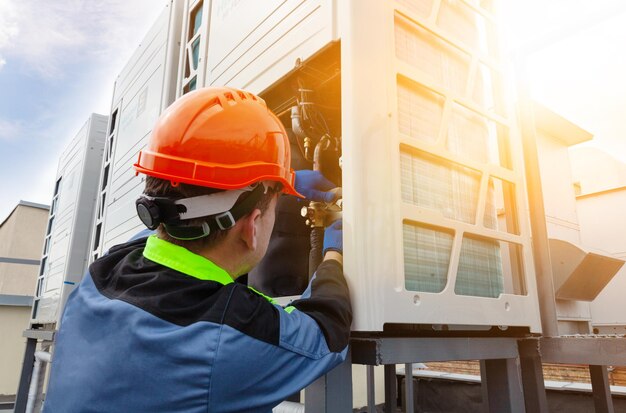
[
  {"x": 40, "y": 358},
  {"x": 540, "y": 245}
]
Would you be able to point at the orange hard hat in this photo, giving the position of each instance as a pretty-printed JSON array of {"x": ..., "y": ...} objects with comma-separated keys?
[{"x": 218, "y": 137}]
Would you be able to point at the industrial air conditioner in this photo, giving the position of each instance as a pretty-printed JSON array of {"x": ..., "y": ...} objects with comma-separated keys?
[
  {"x": 412, "y": 97},
  {"x": 66, "y": 246}
]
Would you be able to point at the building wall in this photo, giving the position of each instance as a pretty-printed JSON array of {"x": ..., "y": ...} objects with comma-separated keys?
[
  {"x": 14, "y": 320},
  {"x": 359, "y": 385},
  {"x": 603, "y": 221},
  {"x": 600, "y": 205},
  {"x": 595, "y": 170},
  {"x": 21, "y": 236},
  {"x": 28, "y": 235}
]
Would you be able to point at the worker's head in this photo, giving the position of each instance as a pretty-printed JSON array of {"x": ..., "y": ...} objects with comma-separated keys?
[{"x": 216, "y": 158}]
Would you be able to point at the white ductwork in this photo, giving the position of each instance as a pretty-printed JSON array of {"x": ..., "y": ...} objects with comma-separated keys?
[{"x": 580, "y": 273}]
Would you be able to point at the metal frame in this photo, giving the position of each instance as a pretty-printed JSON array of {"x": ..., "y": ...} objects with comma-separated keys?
[
  {"x": 595, "y": 351},
  {"x": 502, "y": 384},
  {"x": 511, "y": 369},
  {"x": 501, "y": 377},
  {"x": 391, "y": 388},
  {"x": 602, "y": 399},
  {"x": 25, "y": 376},
  {"x": 186, "y": 50},
  {"x": 532, "y": 376}
]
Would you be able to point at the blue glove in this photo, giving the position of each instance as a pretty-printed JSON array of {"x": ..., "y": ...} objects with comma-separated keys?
[
  {"x": 313, "y": 185},
  {"x": 333, "y": 237}
]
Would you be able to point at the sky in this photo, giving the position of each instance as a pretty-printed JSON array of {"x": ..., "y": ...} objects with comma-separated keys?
[
  {"x": 577, "y": 63},
  {"x": 59, "y": 60}
]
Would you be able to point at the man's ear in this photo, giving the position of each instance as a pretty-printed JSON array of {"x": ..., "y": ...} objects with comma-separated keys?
[{"x": 249, "y": 229}]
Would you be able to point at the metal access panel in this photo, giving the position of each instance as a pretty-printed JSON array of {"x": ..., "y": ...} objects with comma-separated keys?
[
  {"x": 250, "y": 44},
  {"x": 435, "y": 212},
  {"x": 142, "y": 90},
  {"x": 66, "y": 254}
]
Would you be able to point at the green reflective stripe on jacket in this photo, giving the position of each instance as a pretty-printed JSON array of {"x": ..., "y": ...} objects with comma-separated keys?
[
  {"x": 290, "y": 309},
  {"x": 268, "y": 298},
  {"x": 183, "y": 260}
]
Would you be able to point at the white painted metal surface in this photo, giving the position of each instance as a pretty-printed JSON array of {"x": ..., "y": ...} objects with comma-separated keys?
[
  {"x": 435, "y": 216},
  {"x": 253, "y": 43},
  {"x": 66, "y": 253},
  {"x": 250, "y": 44},
  {"x": 143, "y": 89}
]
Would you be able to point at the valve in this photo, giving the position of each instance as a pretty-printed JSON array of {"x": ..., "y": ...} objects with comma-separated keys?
[{"x": 322, "y": 214}]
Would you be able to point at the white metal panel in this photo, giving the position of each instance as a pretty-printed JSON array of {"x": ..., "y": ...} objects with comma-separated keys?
[
  {"x": 139, "y": 112},
  {"x": 424, "y": 178},
  {"x": 556, "y": 179},
  {"x": 71, "y": 219},
  {"x": 53, "y": 276},
  {"x": 252, "y": 43},
  {"x": 85, "y": 206},
  {"x": 143, "y": 89},
  {"x": 573, "y": 310}
]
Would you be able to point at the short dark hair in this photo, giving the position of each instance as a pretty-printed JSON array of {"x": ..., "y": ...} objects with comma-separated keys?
[{"x": 157, "y": 187}]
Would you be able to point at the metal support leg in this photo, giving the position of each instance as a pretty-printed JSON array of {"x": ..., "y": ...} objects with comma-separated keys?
[
  {"x": 601, "y": 389},
  {"x": 371, "y": 391},
  {"x": 391, "y": 393},
  {"x": 532, "y": 376},
  {"x": 501, "y": 386},
  {"x": 332, "y": 392},
  {"x": 27, "y": 371},
  {"x": 408, "y": 388}
]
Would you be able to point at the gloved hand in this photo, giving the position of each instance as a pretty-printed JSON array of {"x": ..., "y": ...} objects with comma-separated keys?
[
  {"x": 333, "y": 237},
  {"x": 313, "y": 185}
]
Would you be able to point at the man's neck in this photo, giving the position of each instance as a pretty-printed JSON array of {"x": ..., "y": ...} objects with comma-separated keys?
[{"x": 224, "y": 257}]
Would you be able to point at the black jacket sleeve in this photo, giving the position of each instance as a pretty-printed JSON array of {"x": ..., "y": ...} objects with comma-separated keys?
[{"x": 329, "y": 304}]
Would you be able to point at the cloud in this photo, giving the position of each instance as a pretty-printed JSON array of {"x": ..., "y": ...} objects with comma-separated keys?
[
  {"x": 8, "y": 27},
  {"x": 9, "y": 129},
  {"x": 8, "y": 22},
  {"x": 64, "y": 55},
  {"x": 46, "y": 37},
  {"x": 37, "y": 34}
]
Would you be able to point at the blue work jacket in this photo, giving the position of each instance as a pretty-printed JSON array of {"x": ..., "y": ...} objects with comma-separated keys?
[{"x": 155, "y": 328}]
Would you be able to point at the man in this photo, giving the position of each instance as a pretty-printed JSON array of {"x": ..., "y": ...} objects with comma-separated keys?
[{"x": 159, "y": 324}]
